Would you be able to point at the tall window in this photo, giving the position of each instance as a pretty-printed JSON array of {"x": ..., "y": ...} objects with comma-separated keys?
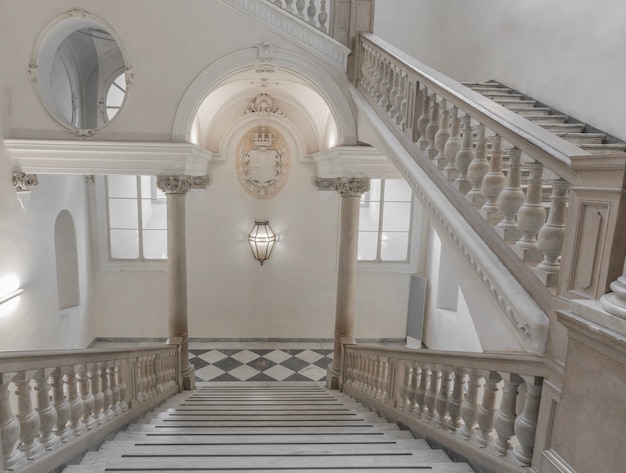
[
  {"x": 137, "y": 218},
  {"x": 385, "y": 222}
]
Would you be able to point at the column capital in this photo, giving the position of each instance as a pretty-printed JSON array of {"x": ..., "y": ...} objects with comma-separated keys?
[
  {"x": 351, "y": 187},
  {"x": 181, "y": 184},
  {"x": 23, "y": 181}
]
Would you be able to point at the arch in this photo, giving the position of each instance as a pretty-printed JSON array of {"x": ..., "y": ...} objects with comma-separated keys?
[
  {"x": 215, "y": 75},
  {"x": 66, "y": 253}
]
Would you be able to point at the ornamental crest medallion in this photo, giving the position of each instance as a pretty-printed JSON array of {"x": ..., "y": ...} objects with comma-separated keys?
[{"x": 262, "y": 162}]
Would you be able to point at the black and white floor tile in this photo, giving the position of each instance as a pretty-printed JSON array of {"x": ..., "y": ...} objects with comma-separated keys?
[{"x": 232, "y": 364}]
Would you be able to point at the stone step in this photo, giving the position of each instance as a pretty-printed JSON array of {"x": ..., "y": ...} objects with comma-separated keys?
[
  {"x": 514, "y": 101},
  {"x": 543, "y": 117},
  {"x": 504, "y": 93},
  {"x": 484, "y": 85},
  {"x": 582, "y": 138},
  {"x": 605, "y": 148},
  {"x": 562, "y": 127}
]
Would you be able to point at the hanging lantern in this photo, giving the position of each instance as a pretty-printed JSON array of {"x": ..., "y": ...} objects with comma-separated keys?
[{"x": 261, "y": 239}]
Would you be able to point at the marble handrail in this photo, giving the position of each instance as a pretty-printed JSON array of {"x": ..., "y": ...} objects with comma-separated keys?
[
  {"x": 54, "y": 404},
  {"x": 482, "y": 405},
  {"x": 531, "y": 195}
]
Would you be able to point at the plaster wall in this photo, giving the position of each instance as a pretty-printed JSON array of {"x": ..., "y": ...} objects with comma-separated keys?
[{"x": 565, "y": 53}]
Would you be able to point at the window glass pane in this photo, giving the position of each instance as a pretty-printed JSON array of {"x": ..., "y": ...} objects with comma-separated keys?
[
  {"x": 122, "y": 186},
  {"x": 123, "y": 213},
  {"x": 112, "y": 111},
  {"x": 124, "y": 244},
  {"x": 121, "y": 81},
  {"x": 397, "y": 190},
  {"x": 368, "y": 242},
  {"x": 368, "y": 216},
  {"x": 148, "y": 187},
  {"x": 115, "y": 96},
  {"x": 397, "y": 216},
  {"x": 153, "y": 214},
  {"x": 155, "y": 244},
  {"x": 394, "y": 246}
]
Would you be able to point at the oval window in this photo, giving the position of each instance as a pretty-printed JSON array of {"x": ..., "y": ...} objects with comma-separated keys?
[{"x": 76, "y": 71}]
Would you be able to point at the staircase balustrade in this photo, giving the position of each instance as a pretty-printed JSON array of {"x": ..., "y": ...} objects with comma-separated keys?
[
  {"x": 459, "y": 137},
  {"x": 314, "y": 12},
  {"x": 54, "y": 404},
  {"x": 482, "y": 406}
]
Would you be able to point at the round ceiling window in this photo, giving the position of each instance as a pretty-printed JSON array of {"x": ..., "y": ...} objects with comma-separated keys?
[{"x": 79, "y": 72}]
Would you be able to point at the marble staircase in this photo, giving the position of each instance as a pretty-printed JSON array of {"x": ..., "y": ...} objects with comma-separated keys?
[
  {"x": 264, "y": 427},
  {"x": 577, "y": 133}
]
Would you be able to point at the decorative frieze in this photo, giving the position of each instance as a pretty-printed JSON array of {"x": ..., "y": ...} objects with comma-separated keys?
[
  {"x": 23, "y": 181},
  {"x": 351, "y": 187}
]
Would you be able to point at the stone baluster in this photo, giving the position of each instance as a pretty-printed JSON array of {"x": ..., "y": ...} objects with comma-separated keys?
[
  {"x": 311, "y": 11},
  {"x": 442, "y": 136},
  {"x": 469, "y": 406},
  {"x": 552, "y": 233},
  {"x": 84, "y": 388},
  {"x": 431, "y": 394},
  {"x": 377, "y": 76},
  {"x": 511, "y": 198},
  {"x": 493, "y": 183},
  {"x": 464, "y": 156},
  {"x": 420, "y": 396},
  {"x": 75, "y": 401},
  {"x": 121, "y": 384},
  {"x": 45, "y": 409},
  {"x": 354, "y": 372},
  {"x": 370, "y": 372},
  {"x": 322, "y": 17},
  {"x": 107, "y": 395},
  {"x": 9, "y": 427},
  {"x": 531, "y": 216},
  {"x": 384, "y": 85},
  {"x": 453, "y": 145},
  {"x": 289, "y": 6},
  {"x": 26, "y": 414},
  {"x": 477, "y": 169},
  {"x": 526, "y": 423},
  {"x": 383, "y": 390},
  {"x": 93, "y": 373},
  {"x": 454, "y": 404},
  {"x": 424, "y": 120},
  {"x": 486, "y": 410},
  {"x": 441, "y": 401},
  {"x": 504, "y": 418},
  {"x": 393, "y": 93},
  {"x": 151, "y": 377},
  {"x": 404, "y": 402},
  {"x": 417, "y": 371},
  {"x": 615, "y": 301},
  {"x": 141, "y": 380},
  {"x": 115, "y": 390},
  {"x": 401, "y": 118},
  {"x": 376, "y": 385},
  {"x": 61, "y": 405},
  {"x": 432, "y": 128},
  {"x": 366, "y": 67},
  {"x": 300, "y": 9}
]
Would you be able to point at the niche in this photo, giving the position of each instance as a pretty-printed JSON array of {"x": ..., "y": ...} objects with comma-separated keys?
[{"x": 79, "y": 72}]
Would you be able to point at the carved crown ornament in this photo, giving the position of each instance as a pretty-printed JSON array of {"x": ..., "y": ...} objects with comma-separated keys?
[
  {"x": 262, "y": 105},
  {"x": 262, "y": 162}
]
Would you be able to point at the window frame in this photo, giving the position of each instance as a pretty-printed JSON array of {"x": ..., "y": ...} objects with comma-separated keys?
[
  {"x": 409, "y": 265},
  {"x": 107, "y": 262}
]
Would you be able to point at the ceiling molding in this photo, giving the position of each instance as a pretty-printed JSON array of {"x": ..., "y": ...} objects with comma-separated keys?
[
  {"x": 108, "y": 157},
  {"x": 354, "y": 161}
]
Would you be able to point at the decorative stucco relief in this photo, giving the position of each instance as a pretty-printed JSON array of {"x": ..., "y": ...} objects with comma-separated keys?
[{"x": 262, "y": 162}]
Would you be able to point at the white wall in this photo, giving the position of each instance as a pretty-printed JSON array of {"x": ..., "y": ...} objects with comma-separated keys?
[{"x": 568, "y": 54}]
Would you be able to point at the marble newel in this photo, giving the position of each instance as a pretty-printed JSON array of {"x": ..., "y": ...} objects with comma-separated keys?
[
  {"x": 350, "y": 190},
  {"x": 176, "y": 188}
]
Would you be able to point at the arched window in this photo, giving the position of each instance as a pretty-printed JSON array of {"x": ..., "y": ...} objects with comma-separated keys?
[
  {"x": 66, "y": 260},
  {"x": 115, "y": 96}
]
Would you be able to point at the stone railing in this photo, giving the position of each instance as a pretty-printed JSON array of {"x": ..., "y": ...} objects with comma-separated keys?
[
  {"x": 314, "y": 12},
  {"x": 56, "y": 404},
  {"x": 482, "y": 406},
  {"x": 530, "y": 195}
]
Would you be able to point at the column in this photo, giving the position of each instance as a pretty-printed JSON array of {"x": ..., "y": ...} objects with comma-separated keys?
[
  {"x": 176, "y": 188},
  {"x": 350, "y": 191}
]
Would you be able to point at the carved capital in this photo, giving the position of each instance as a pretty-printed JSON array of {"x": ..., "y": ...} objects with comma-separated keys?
[
  {"x": 181, "y": 184},
  {"x": 325, "y": 184},
  {"x": 24, "y": 182},
  {"x": 351, "y": 187}
]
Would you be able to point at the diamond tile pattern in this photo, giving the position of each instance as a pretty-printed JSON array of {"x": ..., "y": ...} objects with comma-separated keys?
[{"x": 260, "y": 365}]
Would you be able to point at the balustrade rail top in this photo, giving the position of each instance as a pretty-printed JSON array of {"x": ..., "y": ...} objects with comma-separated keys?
[
  {"x": 11, "y": 361},
  {"x": 527, "y": 136},
  {"x": 524, "y": 364}
]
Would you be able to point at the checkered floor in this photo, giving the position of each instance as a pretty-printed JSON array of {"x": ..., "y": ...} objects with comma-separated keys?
[{"x": 260, "y": 365}]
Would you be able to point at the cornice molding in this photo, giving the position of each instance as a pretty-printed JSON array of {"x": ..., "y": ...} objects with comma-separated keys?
[
  {"x": 108, "y": 157},
  {"x": 354, "y": 161},
  {"x": 296, "y": 31},
  {"x": 529, "y": 320}
]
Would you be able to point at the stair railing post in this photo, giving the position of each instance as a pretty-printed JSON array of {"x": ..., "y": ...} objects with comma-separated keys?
[
  {"x": 61, "y": 404},
  {"x": 511, "y": 198},
  {"x": 487, "y": 408},
  {"x": 11, "y": 456},
  {"x": 504, "y": 418}
]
